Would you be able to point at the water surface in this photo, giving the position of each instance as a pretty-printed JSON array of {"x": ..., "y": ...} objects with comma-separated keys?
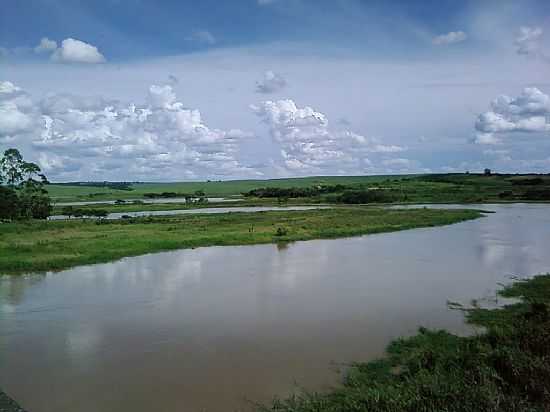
[
  {"x": 201, "y": 210},
  {"x": 206, "y": 329},
  {"x": 143, "y": 200}
]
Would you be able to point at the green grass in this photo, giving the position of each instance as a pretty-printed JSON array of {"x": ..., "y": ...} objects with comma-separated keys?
[
  {"x": 54, "y": 245},
  {"x": 214, "y": 188},
  {"x": 505, "y": 369},
  {"x": 441, "y": 188}
]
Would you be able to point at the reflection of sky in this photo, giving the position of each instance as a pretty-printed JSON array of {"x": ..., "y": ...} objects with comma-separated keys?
[
  {"x": 200, "y": 312},
  {"x": 511, "y": 242}
]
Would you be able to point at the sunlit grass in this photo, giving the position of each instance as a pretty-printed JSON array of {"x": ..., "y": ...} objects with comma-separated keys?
[{"x": 54, "y": 245}]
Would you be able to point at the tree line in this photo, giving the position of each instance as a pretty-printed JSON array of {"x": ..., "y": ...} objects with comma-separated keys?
[
  {"x": 293, "y": 192},
  {"x": 22, "y": 192},
  {"x": 350, "y": 194}
]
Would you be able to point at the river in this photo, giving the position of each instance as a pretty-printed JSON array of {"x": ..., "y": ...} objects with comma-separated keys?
[
  {"x": 198, "y": 211},
  {"x": 143, "y": 200},
  {"x": 213, "y": 328}
]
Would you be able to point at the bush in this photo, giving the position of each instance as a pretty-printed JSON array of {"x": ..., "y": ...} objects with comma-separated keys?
[
  {"x": 537, "y": 194},
  {"x": 366, "y": 196},
  {"x": 294, "y": 192},
  {"x": 281, "y": 231}
]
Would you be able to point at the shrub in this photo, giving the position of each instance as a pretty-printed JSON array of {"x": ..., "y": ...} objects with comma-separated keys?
[{"x": 281, "y": 231}]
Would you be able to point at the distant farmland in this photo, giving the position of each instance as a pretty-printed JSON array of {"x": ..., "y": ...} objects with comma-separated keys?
[{"x": 63, "y": 192}]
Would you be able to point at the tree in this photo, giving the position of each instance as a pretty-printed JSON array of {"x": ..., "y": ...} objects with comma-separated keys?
[
  {"x": 34, "y": 201},
  {"x": 8, "y": 203},
  {"x": 11, "y": 167},
  {"x": 26, "y": 184}
]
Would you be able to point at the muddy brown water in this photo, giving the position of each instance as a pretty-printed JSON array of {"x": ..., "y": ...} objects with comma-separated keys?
[{"x": 214, "y": 328}]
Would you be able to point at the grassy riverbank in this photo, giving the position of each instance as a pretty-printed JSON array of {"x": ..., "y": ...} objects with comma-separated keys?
[
  {"x": 8, "y": 405},
  {"x": 55, "y": 245},
  {"x": 505, "y": 369}
]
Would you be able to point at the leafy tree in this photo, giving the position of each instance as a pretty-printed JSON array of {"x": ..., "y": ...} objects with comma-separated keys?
[
  {"x": 8, "y": 203},
  {"x": 11, "y": 167},
  {"x": 24, "y": 195}
]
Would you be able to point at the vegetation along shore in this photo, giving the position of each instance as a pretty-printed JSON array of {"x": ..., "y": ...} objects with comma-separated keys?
[
  {"x": 34, "y": 246},
  {"x": 8, "y": 405},
  {"x": 507, "y": 368}
]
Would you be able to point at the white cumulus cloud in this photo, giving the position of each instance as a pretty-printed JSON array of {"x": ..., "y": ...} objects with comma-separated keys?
[
  {"x": 77, "y": 51},
  {"x": 527, "y": 113},
  {"x": 307, "y": 143},
  {"x": 449, "y": 38},
  {"x": 16, "y": 112},
  {"x": 88, "y": 136}
]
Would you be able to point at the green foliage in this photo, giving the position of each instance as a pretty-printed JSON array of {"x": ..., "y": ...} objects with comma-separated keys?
[
  {"x": 24, "y": 196},
  {"x": 8, "y": 203},
  {"x": 84, "y": 212},
  {"x": 295, "y": 192},
  {"x": 34, "y": 202},
  {"x": 505, "y": 369},
  {"x": 281, "y": 231},
  {"x": 366, "y": 196},
  {"x": 11, "y": 168}
]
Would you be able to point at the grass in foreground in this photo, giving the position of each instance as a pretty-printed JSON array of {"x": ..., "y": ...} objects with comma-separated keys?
[
  {"x": 55, "y": 245},
  {"x": 505, "y": 369}
]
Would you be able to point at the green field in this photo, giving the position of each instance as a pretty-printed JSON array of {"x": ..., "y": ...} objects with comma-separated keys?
[
  {"x": 36, "y": 246},
  {"x": 213, "y": 188},
  {"x": 444, "y": 188},
  {"x": 503, "y": 370}
]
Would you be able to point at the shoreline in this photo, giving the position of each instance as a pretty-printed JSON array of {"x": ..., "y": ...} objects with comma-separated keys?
[
  {"x": 7, "y": 404},
  {"x": 31, "y": 247},
  {"x": 504, "y": 368}
]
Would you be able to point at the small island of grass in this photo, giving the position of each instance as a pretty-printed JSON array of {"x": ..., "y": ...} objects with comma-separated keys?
[{"x": 37, "y": 246}]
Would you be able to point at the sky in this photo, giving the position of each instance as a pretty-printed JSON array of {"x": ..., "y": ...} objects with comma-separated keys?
[{"x": 144, "y": 90}]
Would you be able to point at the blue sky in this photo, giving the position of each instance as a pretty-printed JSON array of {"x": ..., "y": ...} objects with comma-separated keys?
[
  {"x": 139, "y": 28},
  {"x": 173, "y": 90}
]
